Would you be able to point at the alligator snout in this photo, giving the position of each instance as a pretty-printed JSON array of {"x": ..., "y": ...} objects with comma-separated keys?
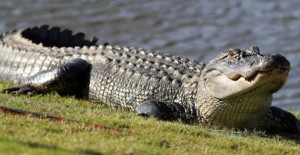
[{"x": 276, "y": 61}]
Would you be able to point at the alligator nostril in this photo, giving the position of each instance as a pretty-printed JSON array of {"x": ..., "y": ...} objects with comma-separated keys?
[{"x": 278, "y": 60}]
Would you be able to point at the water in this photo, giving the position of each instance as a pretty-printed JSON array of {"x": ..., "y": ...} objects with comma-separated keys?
[{"x": 197, "y": 29}]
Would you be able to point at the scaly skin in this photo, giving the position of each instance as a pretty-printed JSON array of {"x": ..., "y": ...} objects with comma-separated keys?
[{"x": 233, "y": 90}]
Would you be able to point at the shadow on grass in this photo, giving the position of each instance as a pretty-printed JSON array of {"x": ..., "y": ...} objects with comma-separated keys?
[
  {"x": 50, "y": 148},
  {"x": 240, "y": 134},
  {"x": 282, "y": 136}
]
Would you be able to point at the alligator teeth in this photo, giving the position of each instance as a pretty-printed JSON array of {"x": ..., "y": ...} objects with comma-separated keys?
[
  {"x": 272, "y": 71},
  {"x": 252, "y": 77}
]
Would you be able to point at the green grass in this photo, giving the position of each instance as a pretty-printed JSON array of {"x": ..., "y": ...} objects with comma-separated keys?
[{"x": 30, "y": 135}]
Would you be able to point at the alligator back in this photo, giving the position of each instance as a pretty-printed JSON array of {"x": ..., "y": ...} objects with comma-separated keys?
[{"x": 23, "y": 53}]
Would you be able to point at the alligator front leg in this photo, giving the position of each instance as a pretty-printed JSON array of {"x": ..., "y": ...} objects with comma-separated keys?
[
  {"x": 71, "y": 78},
  {"x": 163, "y": 110},
  {"x": 281, "y": 120}
]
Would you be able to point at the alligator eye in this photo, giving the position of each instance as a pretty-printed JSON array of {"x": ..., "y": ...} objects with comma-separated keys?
[
  {"x": 234, "y": 53},
  {"x": 254, "y": 50},
  {"x": 231, "y": 53}
]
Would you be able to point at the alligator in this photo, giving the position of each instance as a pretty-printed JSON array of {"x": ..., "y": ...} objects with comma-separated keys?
[{"x": 234, "y": 90}]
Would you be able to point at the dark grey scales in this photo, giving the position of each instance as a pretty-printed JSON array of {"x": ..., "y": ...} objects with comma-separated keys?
[{"x": 233, "y": 90}]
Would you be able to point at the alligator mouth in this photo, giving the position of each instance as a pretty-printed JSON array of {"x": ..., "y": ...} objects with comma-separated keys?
[
  {"x": 221, "y": 86},
  {"x": 252, "y": 76}
]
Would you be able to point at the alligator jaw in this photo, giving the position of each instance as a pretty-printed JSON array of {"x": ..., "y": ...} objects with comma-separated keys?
[
  {"x": 254, "y": 74},
  {"x": 221, "y": 86}
]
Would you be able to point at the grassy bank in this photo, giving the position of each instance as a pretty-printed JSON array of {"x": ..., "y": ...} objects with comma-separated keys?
[{"x": 134, "y": 135}]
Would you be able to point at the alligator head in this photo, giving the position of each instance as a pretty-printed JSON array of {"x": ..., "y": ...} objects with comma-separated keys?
[
  {"x": 237, "y": 72},
  {"x": 236, "y": 87}
]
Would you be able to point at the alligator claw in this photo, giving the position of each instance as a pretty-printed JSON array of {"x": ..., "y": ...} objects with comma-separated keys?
[
  {"x": 149, "y": 108},
  {"x": 20, "y": 90}
]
